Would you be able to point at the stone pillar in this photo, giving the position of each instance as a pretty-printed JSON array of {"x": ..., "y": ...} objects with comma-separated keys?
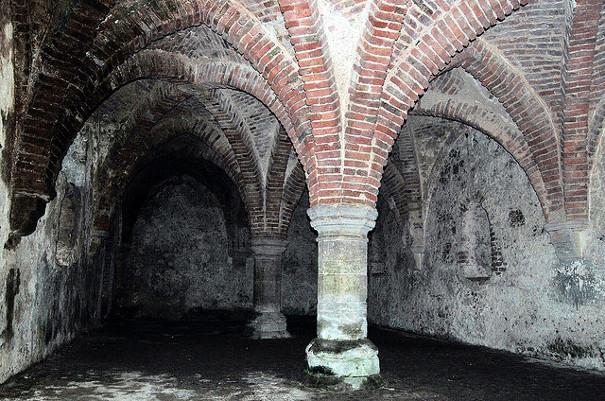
[
  {"x": 342, "y": 352},
  {"x": 270, "y": 322}
]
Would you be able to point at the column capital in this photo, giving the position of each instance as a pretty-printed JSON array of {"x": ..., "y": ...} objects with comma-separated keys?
[
  {"x": 343, "y": 220},
  {"x": 268, "y": 247}
]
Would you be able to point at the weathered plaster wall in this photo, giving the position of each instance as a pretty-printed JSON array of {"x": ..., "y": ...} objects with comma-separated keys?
[
  {"x": 10, "y": 361},
  {"x": 49, "y": 290},
  {"x": 594, "y": 240},
  {"x": 179, "y": 260},
  {"x": 299, "y": 262},
  {"x": 514, "y": 295}
]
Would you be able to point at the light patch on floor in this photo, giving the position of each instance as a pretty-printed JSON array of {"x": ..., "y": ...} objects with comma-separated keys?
[
  {"x": 124, "y": 386},
  {"x": 267, "y": 387},
  {"x": 136, "y": 386}
]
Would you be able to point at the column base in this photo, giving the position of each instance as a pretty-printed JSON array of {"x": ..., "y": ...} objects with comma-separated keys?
[
  {"x": 269, "y": 325},
  {"x": 353, "y": 363}
]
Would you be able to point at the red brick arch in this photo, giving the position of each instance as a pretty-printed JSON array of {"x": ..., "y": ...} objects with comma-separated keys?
[
  {"x": 60, "y": 105},
  {"x": 513, "y": 141},
  {"x": 149, "y": 125},
  {"x": 581, "y": 64},
  {"x": 161, "y": 65},
  {"x": 126, "y": 154},
  {"x": 153, "y": 65},
  {"x": 448, "y": 29},
  {"x": 538, "y": 152},
  {"x": 303, "y": 22},
  {"x": 235, "y": 129},
  {"x": 388, "y": 23},
  {"x": 127, "y": 151},
  {"x": 233, "y": 22},
  {"x": 276, "y": 184}
]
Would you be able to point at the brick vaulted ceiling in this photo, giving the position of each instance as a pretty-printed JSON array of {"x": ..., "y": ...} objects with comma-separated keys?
[{"x": 334, "y": 80}]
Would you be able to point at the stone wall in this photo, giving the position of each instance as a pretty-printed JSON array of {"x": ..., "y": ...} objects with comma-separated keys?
[
  {"x": 179, "y": 260},
  {"x": 299, "y": 281},
  {"x": 49, "y": 288},
  {"x": 10, "y": 360},
  {"x": 490, "y": 275},
  {"x": 50, "y": 284}
]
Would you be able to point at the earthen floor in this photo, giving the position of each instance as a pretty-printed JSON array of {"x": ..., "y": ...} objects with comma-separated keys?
[{"x": 211, "y": 361}]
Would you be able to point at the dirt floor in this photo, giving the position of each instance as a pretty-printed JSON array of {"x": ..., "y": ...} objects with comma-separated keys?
[{"x": 211, "y": 360}]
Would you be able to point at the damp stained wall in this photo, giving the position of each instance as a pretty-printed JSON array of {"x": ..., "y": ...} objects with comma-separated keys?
[
  {"x": 10, "y": 361},
  {"x": 50, "y": 288},
  {"x": 299, "y": 264},
  {"x": 179, "y": 261},
  {"x": 517, "y": 296}
]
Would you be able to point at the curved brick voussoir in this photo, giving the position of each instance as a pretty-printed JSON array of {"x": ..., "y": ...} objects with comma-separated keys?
[
  {"x": 472, "y": 114},
  {"x": 444, "y": 32},
  {"x": 127, "y": 155},
  {"x": 306, "y": 29},
  {"x": 161, "y": 65},
  {"x": 237, "y": 132},
  {"x": 40, "y": 102},
  {"x": 148, "y": 126},
  {"x": 193, "y": 150},
  {"x": 61, "y": 101},
  {"x": 149, "y": 65},
  {"x": 374, "y": 54},
  {"x": 532, "y": 116},
  {"x": 581, "y": 64},
  {"x": 238, "y": 26}
]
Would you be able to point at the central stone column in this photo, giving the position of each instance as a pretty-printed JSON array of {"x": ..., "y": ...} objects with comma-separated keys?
[
  {"x": 342, "y": 352},
  {"x": 270, "y": 322}
]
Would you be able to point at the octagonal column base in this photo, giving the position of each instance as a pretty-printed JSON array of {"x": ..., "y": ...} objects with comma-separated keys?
[
  {"x": 269, "y": 325},
  {"x": 351, "y": 363}
]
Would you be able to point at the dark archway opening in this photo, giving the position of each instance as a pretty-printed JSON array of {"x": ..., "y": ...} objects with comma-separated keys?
[{"x": 180, "y": 241}]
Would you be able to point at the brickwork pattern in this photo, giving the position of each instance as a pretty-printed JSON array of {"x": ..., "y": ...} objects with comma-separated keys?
[{"x": 271, "y": 70}]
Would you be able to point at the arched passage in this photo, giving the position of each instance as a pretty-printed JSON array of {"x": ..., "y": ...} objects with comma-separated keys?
[
  {"x": 32, "y": 197},
  {"x": 196, "y": 262}
]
